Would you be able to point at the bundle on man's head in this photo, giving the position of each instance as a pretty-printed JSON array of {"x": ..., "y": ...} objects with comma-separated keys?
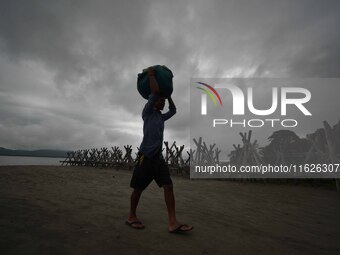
[{"x": 164, "y": 79}]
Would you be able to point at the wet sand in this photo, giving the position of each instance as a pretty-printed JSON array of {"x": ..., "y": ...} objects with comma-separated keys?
[{"x": 81, "y": 210}]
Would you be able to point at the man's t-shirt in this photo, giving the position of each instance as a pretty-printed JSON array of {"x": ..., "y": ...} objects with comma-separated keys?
[{"x": 153, "y": 128}]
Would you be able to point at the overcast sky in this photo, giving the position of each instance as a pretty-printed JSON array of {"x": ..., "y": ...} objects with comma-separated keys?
[{"x": 68, "y": 69}]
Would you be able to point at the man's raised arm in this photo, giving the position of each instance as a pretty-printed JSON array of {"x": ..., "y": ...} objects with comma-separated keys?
[
  {"x": 171, "y": 104},
  {"x": 172, "y": 110},
  {"x": 153, "y": 82},
  {"x": 148, "y": 108}
]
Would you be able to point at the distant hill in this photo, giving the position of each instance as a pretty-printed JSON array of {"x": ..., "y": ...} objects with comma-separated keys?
[{"x": 35, "y": 153}]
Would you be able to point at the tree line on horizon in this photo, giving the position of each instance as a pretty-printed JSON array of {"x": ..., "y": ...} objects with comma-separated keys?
[{"x": 291, "y": 146}]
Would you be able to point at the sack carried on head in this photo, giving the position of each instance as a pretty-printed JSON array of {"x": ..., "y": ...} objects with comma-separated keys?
[{"x": 164, "y": 79}]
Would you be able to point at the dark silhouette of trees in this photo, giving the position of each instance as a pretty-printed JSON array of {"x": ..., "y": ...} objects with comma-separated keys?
[{"x": 285, "y": 147}]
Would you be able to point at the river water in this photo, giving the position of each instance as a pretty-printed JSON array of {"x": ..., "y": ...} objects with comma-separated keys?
[{"x": 19, "y": 161}]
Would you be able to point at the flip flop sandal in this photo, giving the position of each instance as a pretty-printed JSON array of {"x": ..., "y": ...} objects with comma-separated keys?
[
  {"x": 134, "y": 223},
  {"x": 180, "y": 230}
]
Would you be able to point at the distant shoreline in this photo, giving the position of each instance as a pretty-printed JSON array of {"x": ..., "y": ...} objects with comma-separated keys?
[
  {"x": 34, "y": 153},
  {"x": 30, "y": 160},
  {"x": 33, "y": 156}
]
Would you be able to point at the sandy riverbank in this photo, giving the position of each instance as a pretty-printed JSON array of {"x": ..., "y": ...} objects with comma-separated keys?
[{"x": 81, "y": 210}]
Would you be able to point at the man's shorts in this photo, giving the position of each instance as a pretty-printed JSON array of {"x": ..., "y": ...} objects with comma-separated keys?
[{"x": 147, "y": 170}]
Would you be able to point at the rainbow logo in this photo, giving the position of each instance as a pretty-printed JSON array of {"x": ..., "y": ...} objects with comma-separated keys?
[{"x": 210, "y": 92}]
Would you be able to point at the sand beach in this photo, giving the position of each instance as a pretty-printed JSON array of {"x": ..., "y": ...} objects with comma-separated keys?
[{"x": 81, "y": 210}]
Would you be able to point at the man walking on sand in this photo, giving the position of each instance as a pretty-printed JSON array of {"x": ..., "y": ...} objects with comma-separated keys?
[{"x": 150, "y": 162}]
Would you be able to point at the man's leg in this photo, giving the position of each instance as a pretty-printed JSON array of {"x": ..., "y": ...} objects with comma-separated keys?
[
  {"x": 135, "y": 196},
  {"x": 174, "y": 225},
  {"x": 170, "y": 203},
  {"x": 163, "y": 179},
  {"x": 141, "y": 178}
]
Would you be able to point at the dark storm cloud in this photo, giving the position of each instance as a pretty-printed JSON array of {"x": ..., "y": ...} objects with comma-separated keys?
[{"x": 69, "y": 68}]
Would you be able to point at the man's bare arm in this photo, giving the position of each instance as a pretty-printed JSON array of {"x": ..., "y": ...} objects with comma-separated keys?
[
  {"x": 171, "y": 103},
  {"x": 172, "y": 110},
  {"x": 153, "y": 82}
]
